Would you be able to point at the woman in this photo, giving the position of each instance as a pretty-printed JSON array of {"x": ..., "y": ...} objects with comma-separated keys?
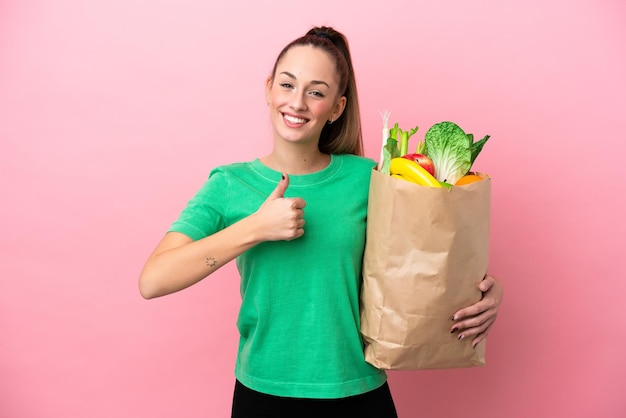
[{"x": 300, "y": 352}]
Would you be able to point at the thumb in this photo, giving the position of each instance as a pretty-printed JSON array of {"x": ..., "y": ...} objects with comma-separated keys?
[{"x": 279, "y": 191}]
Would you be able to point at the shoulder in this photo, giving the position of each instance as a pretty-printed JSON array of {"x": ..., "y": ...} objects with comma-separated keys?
[
  {"x": 231, "y": 169},
  {"x": 356, "y": 166},
  {"x": 227, "y": 173},
  {"x": 356, "y": 161},
  {"x": 221, "y": 177},
  {"x": 355, "y": 171}
]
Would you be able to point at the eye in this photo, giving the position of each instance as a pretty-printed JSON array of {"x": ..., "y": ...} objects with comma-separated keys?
[
  {"x": 317, "y": 93},
  {"x": 286, "y": 85}
]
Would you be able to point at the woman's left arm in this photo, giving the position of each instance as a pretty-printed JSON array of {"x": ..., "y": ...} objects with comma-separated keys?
[{"x": 476, "y": 320}]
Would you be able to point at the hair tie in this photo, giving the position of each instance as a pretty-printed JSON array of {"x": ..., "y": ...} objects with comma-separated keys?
[{"x": 323, "y": 35}]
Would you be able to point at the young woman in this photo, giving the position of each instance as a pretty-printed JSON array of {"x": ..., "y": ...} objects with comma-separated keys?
[{"x": 295, "y": 222}]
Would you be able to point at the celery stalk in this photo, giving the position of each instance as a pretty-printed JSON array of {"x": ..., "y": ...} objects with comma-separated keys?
[{"x": 404, "y": 140}]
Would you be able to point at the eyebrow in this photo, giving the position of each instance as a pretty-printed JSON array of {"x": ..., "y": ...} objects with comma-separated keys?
[{"x": 288, "y": 74}]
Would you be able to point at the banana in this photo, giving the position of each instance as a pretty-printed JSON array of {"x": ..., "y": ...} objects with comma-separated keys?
[
  {"x": 398, "y": 176},
  {"x": 412, "y": 171}
]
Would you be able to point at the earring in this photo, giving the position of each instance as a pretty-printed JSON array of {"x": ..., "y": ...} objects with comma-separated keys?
[{"x": 330, "y": 122}]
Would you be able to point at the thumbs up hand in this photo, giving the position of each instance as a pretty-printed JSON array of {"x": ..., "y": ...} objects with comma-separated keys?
[{"x": 281, "y": 218}]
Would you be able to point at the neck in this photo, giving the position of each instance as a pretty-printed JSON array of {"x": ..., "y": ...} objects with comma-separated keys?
[{"x": 297, "y": 161}]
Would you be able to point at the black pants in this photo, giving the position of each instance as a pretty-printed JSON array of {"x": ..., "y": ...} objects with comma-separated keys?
[{"x": 248, "y": 403}]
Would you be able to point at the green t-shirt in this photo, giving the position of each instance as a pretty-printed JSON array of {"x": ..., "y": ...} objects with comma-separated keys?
[{"x": 299, "y": 317}]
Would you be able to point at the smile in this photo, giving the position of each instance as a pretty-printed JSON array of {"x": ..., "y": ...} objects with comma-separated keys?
[{"x": 294, "y": 120}]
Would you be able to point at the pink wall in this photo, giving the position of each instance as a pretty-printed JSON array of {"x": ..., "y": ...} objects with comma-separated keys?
[{"x": 113, "y": 112}]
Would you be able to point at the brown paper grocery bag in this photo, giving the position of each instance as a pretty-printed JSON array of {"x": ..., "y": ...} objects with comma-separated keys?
[{"x": 426, "y": 252}]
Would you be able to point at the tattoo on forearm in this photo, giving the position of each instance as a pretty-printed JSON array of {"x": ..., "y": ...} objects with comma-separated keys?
[{"x": 211, "y": 262}]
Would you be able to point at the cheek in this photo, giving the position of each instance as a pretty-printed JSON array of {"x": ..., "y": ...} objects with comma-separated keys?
[
  {"x": 276, "y": 92},
  {"x": 321, "y": 108}
]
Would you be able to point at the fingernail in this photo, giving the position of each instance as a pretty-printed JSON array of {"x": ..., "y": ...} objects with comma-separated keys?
[
  {"x": 454, "y": 317},
  {"x": 283, "y": 177},
  {"x": 474, "y": 345},
  {"x": 455, "y": 329},
  {"x": 461, "y": 337}
]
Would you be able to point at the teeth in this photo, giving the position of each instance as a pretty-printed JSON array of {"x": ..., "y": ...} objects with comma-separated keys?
[{"x": 294, "y": 120}]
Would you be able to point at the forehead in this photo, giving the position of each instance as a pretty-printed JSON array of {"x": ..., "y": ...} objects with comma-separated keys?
[{"x": 308, "y": 62}]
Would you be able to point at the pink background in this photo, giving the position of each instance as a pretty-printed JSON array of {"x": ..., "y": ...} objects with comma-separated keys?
[{"x": 113, "y": 112}]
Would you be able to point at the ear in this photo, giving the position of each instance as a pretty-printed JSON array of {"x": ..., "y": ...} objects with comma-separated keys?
[
  {"x": 339, "y": 107},
  {"x": 268, "y": 88}
]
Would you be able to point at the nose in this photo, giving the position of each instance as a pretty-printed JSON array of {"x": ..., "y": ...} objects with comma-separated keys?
[{"x": 298, "y": 101}]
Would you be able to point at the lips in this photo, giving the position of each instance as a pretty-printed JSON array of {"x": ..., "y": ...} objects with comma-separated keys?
[{"x": 294, "y": 120}]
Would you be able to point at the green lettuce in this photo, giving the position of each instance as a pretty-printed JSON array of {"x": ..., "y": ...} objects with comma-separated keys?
[
  {"x": 452, "y": 150},
  {"x": 476, "y": 147},
  {"x": 390, "y": 150}
]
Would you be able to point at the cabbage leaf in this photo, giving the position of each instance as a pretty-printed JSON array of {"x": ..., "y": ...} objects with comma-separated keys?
[
  {"x": 476, "y": 147},
  {"x": 450, "y": 148}
]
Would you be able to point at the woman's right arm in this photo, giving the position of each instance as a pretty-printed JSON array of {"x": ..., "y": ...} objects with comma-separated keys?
[{"x": 179, "y": 262}]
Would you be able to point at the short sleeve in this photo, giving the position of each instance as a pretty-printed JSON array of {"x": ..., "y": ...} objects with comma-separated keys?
[{"x": 205, "y": 213}]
